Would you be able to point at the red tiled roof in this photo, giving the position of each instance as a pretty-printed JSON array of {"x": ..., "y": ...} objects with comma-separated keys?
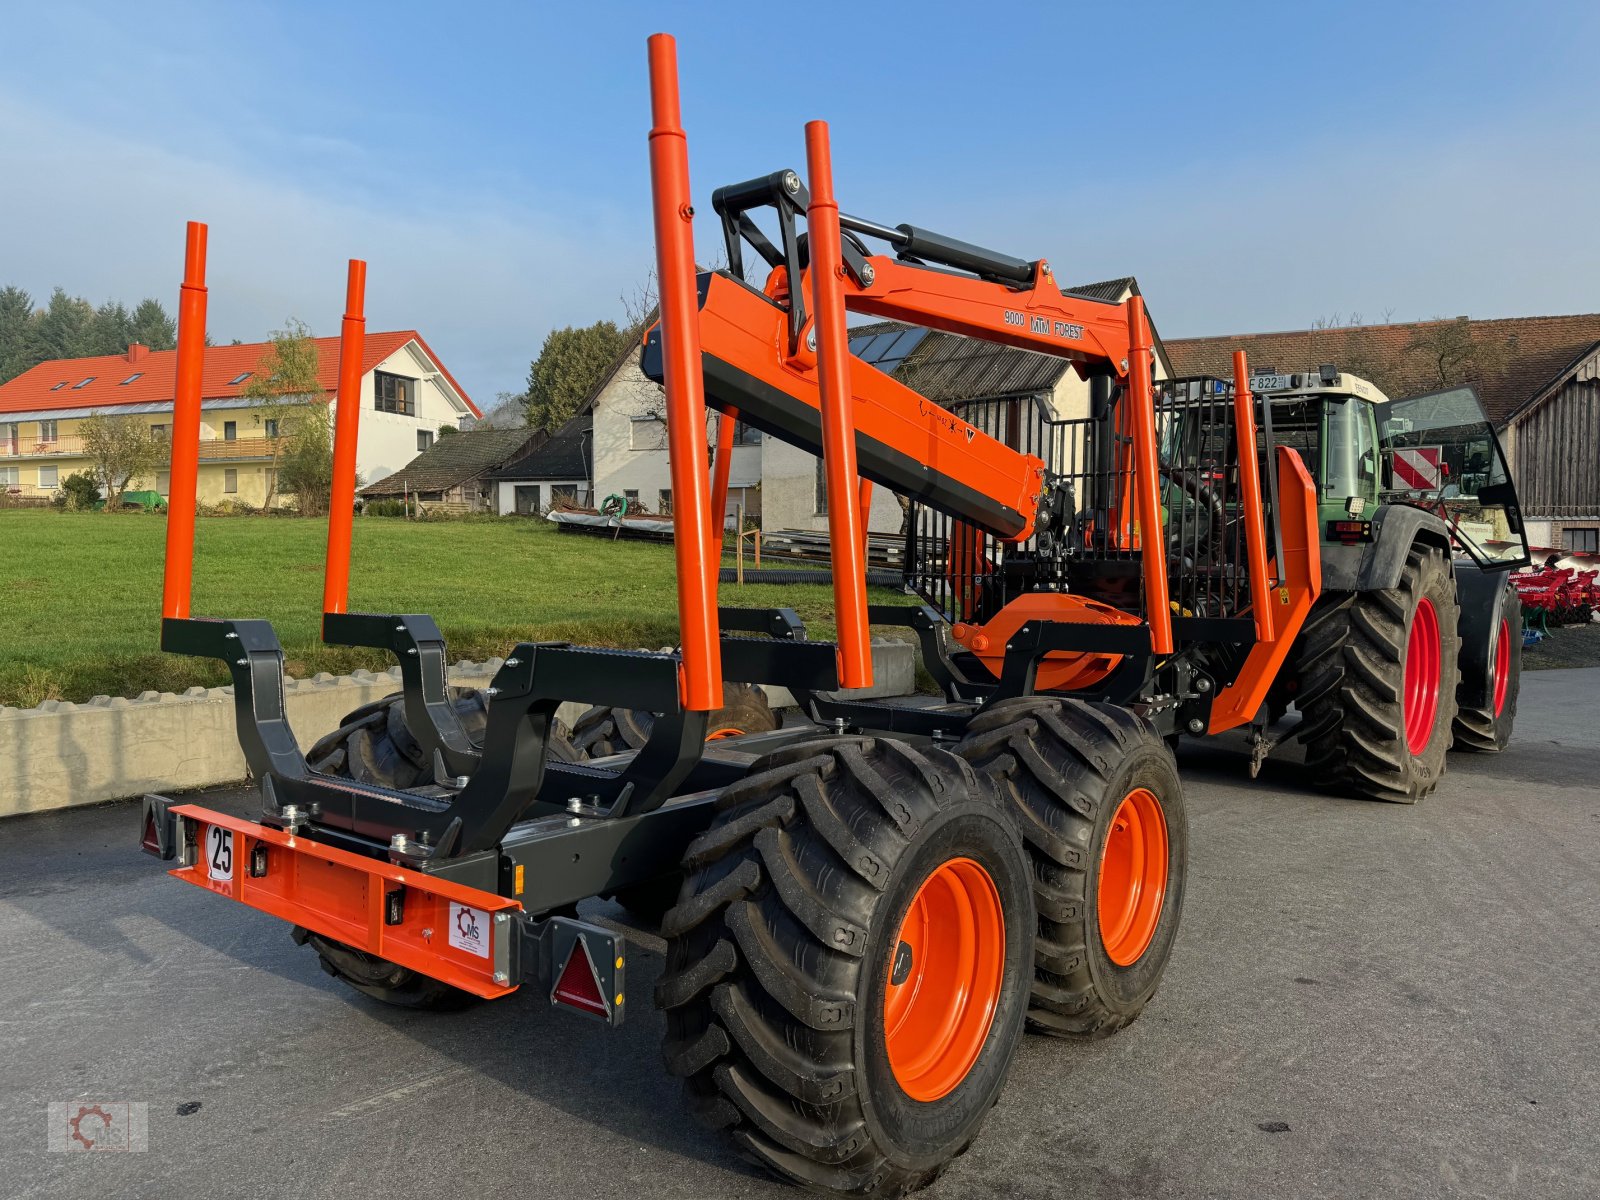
[
  {"x": 1522, "y": 354},
  {"x": 157, "y": 371}
]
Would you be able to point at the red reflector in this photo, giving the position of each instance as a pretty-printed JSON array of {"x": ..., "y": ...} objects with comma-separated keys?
[
  {"x": 579, "y": 986},
  {"x": 150, "y": 843}
]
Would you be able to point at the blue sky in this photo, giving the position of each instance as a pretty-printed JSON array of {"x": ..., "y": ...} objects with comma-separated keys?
[{"x": 1257, "y": 166}]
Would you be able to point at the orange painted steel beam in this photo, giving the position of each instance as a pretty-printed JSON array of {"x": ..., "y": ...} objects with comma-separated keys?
[
  {"x": 864, "y": 504},
  {"x": 721, "y": 465},
  {"x": 1255, "y": 524},
  {"x": 178, "y": 579},
  {"x": 685, "y": 387},
  {"x": 845, "y": 541},
  {"x": 342, "y": 895},
  {"x": 747, "y": 332},
  {"x": 1141, "y": 399},
  {"x": 346, "y": 429},
  {"x": 1300, "y": 573}
]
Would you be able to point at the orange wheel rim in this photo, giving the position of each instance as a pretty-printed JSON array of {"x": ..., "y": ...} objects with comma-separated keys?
[
  {"x": 945, "y": 967},
  {"x": 1133, "y": 877},
  {"x": 716, "y": 735}
]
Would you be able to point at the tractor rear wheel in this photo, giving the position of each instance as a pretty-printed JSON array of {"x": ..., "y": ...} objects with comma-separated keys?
[
  {"x": 1376, "y": 674},
  {"x": 1095, "y": 793},
  {"x": 373, "y": 744},
  {"x": 1486, "y": 728},
  {"x": 848, "y": 963},
  {"x": 603, "y": 730}
]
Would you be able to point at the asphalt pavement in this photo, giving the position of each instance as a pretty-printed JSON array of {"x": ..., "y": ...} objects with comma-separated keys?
[{"x": 1365, "y": 1000}]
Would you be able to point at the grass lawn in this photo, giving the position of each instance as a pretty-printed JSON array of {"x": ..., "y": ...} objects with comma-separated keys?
[{"x": 80, "y": 594}]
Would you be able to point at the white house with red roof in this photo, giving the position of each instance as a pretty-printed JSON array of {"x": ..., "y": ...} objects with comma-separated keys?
[{"x": 406, "y": 395}]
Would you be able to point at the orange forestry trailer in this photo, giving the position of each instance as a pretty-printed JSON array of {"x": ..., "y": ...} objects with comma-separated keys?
[{"x": 863, "y": 908}]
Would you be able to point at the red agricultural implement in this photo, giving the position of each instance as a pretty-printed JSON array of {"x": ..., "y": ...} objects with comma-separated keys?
[
  {"x": 863, "y": 908},
  {"x": 1558, "y": 595}
]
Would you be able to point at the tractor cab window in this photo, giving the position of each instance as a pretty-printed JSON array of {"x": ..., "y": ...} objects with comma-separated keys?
[
  {"x": 1441, "y": 453},
  {"x": 1350, "y": 467}
]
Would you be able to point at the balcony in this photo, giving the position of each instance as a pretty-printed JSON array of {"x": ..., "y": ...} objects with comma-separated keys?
[{"x": 213, "y": 450}]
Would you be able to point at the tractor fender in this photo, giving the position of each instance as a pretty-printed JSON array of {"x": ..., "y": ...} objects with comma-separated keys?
[
  {"x": 1375, "y": 565},
  {"x": 1479, "y": 593}
]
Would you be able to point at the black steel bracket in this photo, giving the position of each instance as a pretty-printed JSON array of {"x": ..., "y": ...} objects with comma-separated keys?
[{"x": 417, "y": 644}]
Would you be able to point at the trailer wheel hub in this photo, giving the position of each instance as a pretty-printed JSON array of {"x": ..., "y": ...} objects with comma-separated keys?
[
  {"x": 944, "y": 979},
  {"x": 1133, "y": 877},
  {"x": 1423, "y": 656}
]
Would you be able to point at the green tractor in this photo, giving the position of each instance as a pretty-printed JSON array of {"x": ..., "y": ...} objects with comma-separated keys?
[{"x": 1415, "y": 644}]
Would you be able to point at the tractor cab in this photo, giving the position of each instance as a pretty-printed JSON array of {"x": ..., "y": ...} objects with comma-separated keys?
[{"x": 1436, "y": 452}]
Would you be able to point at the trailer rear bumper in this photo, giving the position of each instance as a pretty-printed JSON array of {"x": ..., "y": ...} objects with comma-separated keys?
[{"x": 459, "y": 935}]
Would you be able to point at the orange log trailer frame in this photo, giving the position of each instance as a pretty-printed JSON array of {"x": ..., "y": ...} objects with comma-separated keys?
[{"x": 178, "y": 578}]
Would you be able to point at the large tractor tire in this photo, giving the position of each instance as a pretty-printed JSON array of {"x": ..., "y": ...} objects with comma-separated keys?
[
  {"x": 847, "y": 965},
  {"x": 603, "y": 730},
  {"x": 1095, "y": 793},
  {"x": 1376, "y": 674},
  {"x": 1486, "y": 728},
  {"x": 374, "y": 745}
]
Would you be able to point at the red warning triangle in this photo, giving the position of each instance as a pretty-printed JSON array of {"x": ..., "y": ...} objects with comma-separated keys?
[{"x": 578, "y": 985}]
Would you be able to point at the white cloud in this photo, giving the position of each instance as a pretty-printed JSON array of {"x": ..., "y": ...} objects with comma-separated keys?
[{"x": 483, "y": 279}]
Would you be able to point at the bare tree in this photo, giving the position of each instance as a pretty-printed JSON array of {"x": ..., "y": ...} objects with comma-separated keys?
[{"x": 120, "y": 449}]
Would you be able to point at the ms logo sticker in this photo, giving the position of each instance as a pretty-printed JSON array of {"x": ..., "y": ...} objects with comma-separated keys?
[{"x": 469, "y": 929}]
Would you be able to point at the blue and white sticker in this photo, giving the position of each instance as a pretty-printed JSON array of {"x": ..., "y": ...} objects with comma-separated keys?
[{"x": 469, "y": 929}]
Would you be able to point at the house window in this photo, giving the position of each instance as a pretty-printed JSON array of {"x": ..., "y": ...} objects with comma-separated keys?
[
  {"x": 158, "y": 432},
  {"x": 47, "y": 431},
  {"x": 84, "y": 384},
  {"x": 647, "y": 433},
  {"x": 563, "y": 491},
  {"x": 424, "y": 439},
  {"x": 230, "y": 431},
  {"x": 164, "y": 482},
  {"x": 130, "y": 379},
  {"x": 394, "y": 394},
  {"x": 10, "y": 477},
  {"x": 431, "y": 497},
  {"x": 49, "y": 477},
  {"x": 664, "y": 501},
  {"x": 238, "y": 379},
  {"x": 1581, "y": 541},
  {"x": 631, "y": 495},
  {"x": 743, "y": 435},
  {"x": 230, "y": 481},
  {"x": 270, "y": 427},
  {"x": 525, "y": 499},
  {"x": 821, "y": 490}
]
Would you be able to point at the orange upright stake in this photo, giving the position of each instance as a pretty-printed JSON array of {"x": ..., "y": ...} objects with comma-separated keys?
[
  {"x": 1255, "y": 525},
  {"x": 727, "y": 426},
  {"x": 346, "y": 428},
  {"x": 177, "y": 583},
  {"x": 865, "y": 504},
  {"x": 1141, "y": 398},
  {"x": 682, "y": 379},
  {"x": 838, "y": 418}
]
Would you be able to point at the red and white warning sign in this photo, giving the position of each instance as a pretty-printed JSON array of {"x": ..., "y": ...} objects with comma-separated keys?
[{"x": 1417, "y": 468}]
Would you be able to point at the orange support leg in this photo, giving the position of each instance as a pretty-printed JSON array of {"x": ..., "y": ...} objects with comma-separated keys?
[
  {"x": 178, "y": 580},
  {"x": 721, "y": 465},
  {"x": 346, "y": 428},
  {"x": 1255, "y": 525},
  {"x": 864, "y": 503},
  {"x": 685, "y": 386},
  {"x": 838, "y": 421},
  {"x": 1141, "y": 398}
]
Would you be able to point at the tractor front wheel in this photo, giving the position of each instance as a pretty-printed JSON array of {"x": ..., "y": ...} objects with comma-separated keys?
[
  {"x": 1095, "y": 793},
  {"x": 1486, "y": 727},
  {"x": 848, "y": 963}
]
